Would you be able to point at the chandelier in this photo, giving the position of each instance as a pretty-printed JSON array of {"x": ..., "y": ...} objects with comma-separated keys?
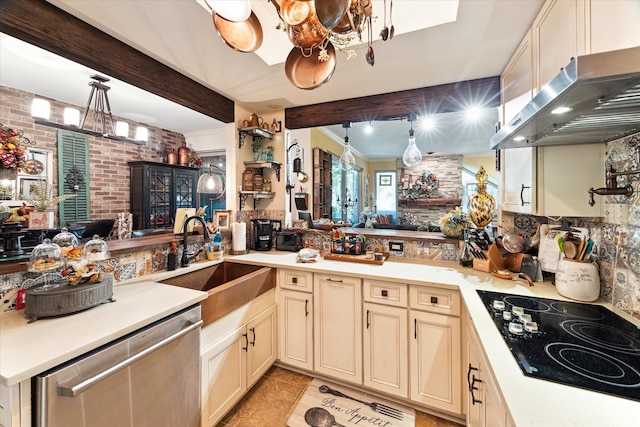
[{"x": 315, "y": 28}]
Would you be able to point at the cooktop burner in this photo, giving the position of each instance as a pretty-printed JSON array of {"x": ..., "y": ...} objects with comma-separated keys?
[{"x": 582, "y": 345}]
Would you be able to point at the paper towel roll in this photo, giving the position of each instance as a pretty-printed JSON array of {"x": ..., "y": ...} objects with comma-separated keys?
[{"x": 239, "y": 233}]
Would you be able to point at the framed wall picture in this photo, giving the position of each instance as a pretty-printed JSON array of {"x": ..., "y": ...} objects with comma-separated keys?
[
  {"x": 384, "y": 180},
  {"x": 222, "y": 219},
  {"x": 27, "y": 184}
]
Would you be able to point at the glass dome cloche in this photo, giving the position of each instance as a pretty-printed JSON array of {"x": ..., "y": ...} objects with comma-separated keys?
[
  {"x": 68, "y": 243},
  {"x": 45, "y": 256},
  {"x": 96, "y": 249}
]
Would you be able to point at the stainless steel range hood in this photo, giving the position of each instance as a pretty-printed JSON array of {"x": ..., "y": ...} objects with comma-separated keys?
[{"x": 603, "y": 92}]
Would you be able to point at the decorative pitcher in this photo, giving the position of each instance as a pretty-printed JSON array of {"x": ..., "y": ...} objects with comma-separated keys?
[
  {"x": 481, "y": 205},
  {"x": 255, "y": 120}
]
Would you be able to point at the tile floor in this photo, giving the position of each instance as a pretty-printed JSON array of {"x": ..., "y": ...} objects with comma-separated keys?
[{"x": 273, "y": 398}]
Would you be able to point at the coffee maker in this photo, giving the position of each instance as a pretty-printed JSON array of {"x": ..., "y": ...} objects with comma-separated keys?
[{"x": 261, "y": 234}]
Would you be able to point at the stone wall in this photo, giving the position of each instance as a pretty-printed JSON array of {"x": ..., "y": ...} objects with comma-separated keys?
[{"x": 448, "y": 169}]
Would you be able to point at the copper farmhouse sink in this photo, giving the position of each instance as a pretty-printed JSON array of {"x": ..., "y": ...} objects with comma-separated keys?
[{"x": 229, "y": 286}]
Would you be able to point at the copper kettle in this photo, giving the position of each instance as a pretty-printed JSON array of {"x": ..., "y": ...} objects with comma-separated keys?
[{"x": 255, "y": 120}]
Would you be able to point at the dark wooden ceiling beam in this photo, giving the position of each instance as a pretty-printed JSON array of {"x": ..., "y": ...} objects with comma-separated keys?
[
  {"x": 44, "y": 25},
  {"x": 446, "y": 98}
]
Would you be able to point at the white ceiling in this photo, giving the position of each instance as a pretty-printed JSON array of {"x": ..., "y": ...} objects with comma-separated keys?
[{"x": 181, "y": 34}]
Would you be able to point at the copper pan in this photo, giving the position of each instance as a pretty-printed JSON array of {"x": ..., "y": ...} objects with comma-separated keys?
[
  {"x": 245, "y": 36},
  {"x": 305, "y": 71},
  {"x": 310, "y": 33},
  {"x": 331, "y": 12}
]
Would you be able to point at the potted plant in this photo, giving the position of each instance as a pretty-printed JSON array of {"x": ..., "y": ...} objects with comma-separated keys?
[
  {"x": 42, "y": 199},
  {"x": 256, "y": 145}
]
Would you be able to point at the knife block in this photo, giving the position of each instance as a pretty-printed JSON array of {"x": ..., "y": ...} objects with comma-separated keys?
[{"x": 494, "y": 260}]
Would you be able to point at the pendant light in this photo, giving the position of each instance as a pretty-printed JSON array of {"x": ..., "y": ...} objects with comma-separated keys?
[
  {"x": 347, "y": 161},
  {"x": 212, "y": 182},
  {"x": 412, "y": 156}
]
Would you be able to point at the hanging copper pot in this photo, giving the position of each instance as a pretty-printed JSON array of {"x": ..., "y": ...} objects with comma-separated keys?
[
  {"x": 331, "y": 12},
  {"x": 344, "y": 25},
  {"x": 306, "y": 71},
  {"x": 308, "y": 34},
  {"x": 294, "y": 12},
  {"x": 245, "y": 36}
]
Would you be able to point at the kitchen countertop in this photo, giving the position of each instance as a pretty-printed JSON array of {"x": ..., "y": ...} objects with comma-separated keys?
[
  {"x": 530, "y": 401},
  {"x": 28, "y": 349}
]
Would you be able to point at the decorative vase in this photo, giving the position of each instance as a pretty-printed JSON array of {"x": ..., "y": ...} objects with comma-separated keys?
[
  {"x": 172, "y": 157},
  {"x": 256, "y": 156},
  {"x": 183, "y": 154},
  {"x": 578, "y": 280},
  {"x": 263, "y": 156},
  {"x": 481, "y": 205}
]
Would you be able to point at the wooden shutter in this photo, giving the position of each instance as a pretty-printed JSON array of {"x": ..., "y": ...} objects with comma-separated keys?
[{"x": 73, "y": 176}]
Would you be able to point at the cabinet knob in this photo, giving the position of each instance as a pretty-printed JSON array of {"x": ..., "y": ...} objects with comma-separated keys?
[
  {"x": 384, "y": 293},
  {"x": 294, "y": 280},
  {"x": 434, "y": 300}
]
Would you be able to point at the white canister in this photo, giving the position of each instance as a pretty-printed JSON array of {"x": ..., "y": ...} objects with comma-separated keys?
[{"x": 578, "y": 280}]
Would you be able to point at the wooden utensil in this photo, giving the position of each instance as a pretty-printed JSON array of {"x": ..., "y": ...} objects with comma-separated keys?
[{"x": 506, "y": 274}]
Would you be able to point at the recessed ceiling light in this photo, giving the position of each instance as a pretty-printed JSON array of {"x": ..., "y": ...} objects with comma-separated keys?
[
  {"x": 560, "y": 110},
  {"x": 427, "y": 123},
  {"x": 472, "y": 113},
  {"x": 518, "y": 138},
  {"x": 368, "y": 129}
]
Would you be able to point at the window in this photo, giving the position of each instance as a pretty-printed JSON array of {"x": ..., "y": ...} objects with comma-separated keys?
[{"x": 346, "y": 193}]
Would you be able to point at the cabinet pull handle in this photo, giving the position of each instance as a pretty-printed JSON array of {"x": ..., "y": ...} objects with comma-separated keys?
[
  {"x": 522, "y": 195},
  {"x": 415, "y": 328},
  {"x": 253, "y": 333},
  {"x": 471, "y": 368},
  {"x": 246, "y": 340},
  {"x": 329, "y": 279},
  {"x": 306, "y": 308},
  {"x": 473, "y": 388},
  {"x": 367, "y": 319}
]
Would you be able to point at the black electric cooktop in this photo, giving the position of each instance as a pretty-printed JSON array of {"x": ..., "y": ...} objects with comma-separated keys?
[{"x": 581, "y": 345}]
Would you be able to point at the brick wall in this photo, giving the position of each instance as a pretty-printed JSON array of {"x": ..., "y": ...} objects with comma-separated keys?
[{"x": 109, "y": 172}]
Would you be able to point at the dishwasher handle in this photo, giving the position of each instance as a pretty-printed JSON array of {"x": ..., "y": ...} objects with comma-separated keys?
[{"x": 77, "y": 388}]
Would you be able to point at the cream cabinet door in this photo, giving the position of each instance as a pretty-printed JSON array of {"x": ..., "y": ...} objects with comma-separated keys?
[
  {"x": 337, "y": 306},
  {"x": 224, "y": 378},
  {"x": 519, "y": 189},
  {"x": 517, "y": 80},
  {"x": 435, "y": 360},
  {"x": 558, "y": 36},
  {"x": 613, "y": 24},
  {"x": 386, "y": 367},
  {"x": 485, "y": 406},
  {"x": 295, "y": 328},
  {"x": 262, "y": 349}
]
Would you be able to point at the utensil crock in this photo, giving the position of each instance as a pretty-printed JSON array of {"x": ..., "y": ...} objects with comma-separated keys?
[{"x": 578, "y": 280}]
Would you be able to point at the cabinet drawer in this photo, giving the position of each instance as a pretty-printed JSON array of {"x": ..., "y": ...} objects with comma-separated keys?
[
  {"x": 435, "y": 300},
  {"x": 295, "y": 279},
  {"x": 387, "y": 293}
]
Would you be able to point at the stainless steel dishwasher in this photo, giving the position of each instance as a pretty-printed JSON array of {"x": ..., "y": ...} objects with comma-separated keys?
[{"x": 150, "y": 377}]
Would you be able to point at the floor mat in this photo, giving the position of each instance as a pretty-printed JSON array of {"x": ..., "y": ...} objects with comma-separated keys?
[{"x": 325, "y": 404}]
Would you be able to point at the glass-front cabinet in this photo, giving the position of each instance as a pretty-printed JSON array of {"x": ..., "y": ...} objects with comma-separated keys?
[{"x": 157, "y": 190}]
